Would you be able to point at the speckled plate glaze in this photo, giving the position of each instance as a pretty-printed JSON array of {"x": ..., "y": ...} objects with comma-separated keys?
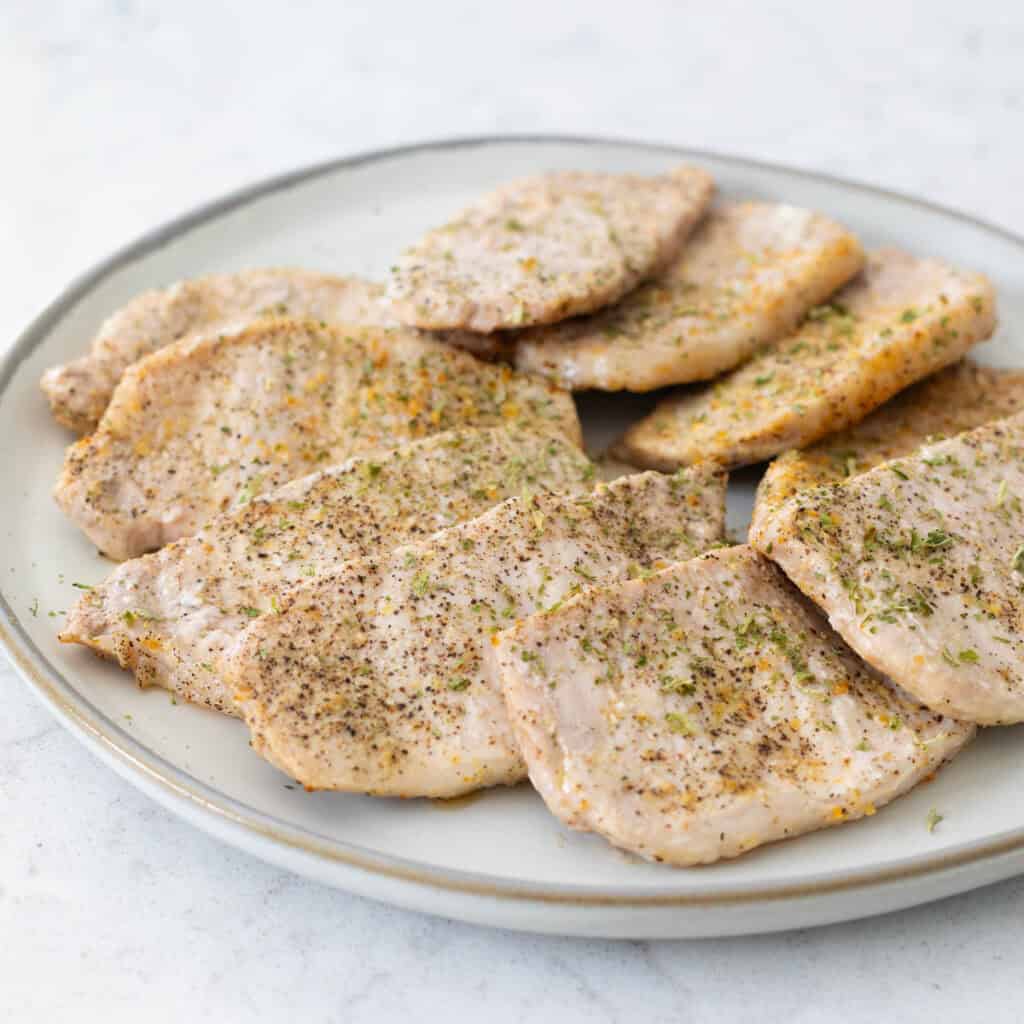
[{"x": 498, "y": 858}]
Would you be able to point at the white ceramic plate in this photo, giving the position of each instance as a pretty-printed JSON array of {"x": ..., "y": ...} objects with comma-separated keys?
[{"x": 498, "y": 859}]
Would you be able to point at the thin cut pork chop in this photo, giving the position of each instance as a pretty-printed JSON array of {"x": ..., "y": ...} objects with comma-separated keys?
[
  {"x": 706, "y": 710},
  {"x": 745, "y": 278},
  {"x": 372, "y": 680},
  {"x": 919, "y": 565},
  {"x": 170, "y": 617},
  {"x": 956, "y": 399},
  {"x": 80, "y": 390},
  {"x": 901, "y": 320},
  {"x": 541, "y": 249},
  {"x": 210, "y": 422}
]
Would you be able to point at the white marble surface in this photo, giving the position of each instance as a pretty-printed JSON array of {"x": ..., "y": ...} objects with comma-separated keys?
[{"x": 118, "y": 115}]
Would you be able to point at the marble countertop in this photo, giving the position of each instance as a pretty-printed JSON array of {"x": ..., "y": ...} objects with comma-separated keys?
[{"x": 120, "y": 114}]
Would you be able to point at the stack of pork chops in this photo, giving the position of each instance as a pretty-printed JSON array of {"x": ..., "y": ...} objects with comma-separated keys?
[{"x": 359, "y": 517}]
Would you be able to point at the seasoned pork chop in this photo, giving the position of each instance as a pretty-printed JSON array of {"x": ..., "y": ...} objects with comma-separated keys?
[
  {"x": 706, "y": 710},
  {"x": 210, "y": 422},
  {"x": 956, "y": 399},
  {"x": 540, "y": 249},
  {"x": 372, "y": 680},
  {"x": 919, "y": 565},
  {"x": 901, "y": 320},
  {"x": 170, "y": 617},
  {"x": 745, "y": 278},
  {"x": 80, "y": 390}
]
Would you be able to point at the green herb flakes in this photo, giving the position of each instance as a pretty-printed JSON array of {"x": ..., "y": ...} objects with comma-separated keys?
[{"x": 679, "y": 723}]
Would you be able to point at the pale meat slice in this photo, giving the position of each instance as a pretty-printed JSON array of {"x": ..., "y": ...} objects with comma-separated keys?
[
  {"x": 954, "y": 400},
  {"x": 172, "y": 616},
  {"x": 901, "y": 320},
  {"x": 79, "y": 391},
  {"x": 745, "y": 278},
  {"x": 211, "y": 421},
  {"x": 540, "y": 249},
  {"x": 373, "y": 679},
  {"x": 706, "y": 710},
  {"x": 919, "y": 565}
]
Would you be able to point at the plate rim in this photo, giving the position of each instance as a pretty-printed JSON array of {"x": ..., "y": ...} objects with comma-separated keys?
[{"x": 269, "y": 836}]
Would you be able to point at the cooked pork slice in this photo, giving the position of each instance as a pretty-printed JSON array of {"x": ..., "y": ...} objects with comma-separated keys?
[
  {"x": 956, "y": 399},
  {"x": 745, "y": 278},
  {"x": 372, "y": 679},
  {"x": 902, "y": 320},
  {"x": 706, "y": 710},
  {"x": 80, "y": 390},
  {"x": 210, "y": 422},
  {"x": 541, "y": 249},
  {"x": 919, "y": 565},
  {"x": 170, "y": 617}
]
